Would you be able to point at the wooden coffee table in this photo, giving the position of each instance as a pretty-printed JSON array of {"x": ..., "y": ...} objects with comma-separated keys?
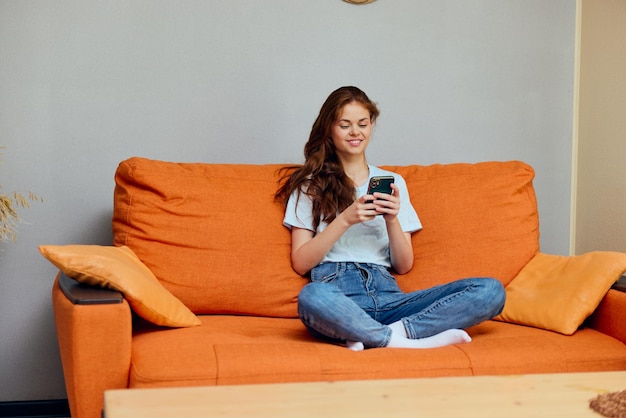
[{"x": 539, "y": 395}]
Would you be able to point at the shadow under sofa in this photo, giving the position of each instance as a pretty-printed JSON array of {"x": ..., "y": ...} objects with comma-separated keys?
[{"x": 212, "y": 237}]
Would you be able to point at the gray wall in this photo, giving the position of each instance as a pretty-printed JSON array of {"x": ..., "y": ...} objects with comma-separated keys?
[{"x": 85, "y": 84}]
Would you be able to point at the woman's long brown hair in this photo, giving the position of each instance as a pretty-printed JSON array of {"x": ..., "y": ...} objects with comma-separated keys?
[{"x": 322, "y": 177}]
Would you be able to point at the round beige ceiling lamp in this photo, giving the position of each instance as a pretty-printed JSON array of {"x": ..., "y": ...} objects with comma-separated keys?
[{"x": 359, "y": 1}]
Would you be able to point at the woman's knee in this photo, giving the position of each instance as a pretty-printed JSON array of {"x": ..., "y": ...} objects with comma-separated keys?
[
  {"x": 310, "y": 291},
  {"x": 314, "y": 296},
  {"x": 493, "y": 295}
]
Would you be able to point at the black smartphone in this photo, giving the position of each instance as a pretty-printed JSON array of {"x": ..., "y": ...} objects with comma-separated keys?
[{"x": 381, "y": 184}]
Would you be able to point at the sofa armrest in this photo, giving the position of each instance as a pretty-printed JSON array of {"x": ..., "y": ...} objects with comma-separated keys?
[
  {"x": 610, "y": 316},
  {"x": 620, "y": 284},
  {"x": 94, "y": 343},
  {"x": 82, "y": 294}
]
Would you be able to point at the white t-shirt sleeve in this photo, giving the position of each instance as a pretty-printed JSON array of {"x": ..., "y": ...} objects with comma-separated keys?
[{"x": 299, "y": 212}]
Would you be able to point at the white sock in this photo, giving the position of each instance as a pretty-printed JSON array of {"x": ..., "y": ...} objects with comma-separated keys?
[
  {"x": 355, "y": 345},
  {"x": 398, "y": 329},
  {"x": 448, "y": 337}
]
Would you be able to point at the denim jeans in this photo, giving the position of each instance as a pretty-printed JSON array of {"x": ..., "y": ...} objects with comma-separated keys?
[{"x": 356, "y": 302}]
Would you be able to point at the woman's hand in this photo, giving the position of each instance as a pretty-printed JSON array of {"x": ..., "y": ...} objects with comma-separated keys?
[
  {"x": 361, "y": 210},
  {"x": 387, "y": 205}
]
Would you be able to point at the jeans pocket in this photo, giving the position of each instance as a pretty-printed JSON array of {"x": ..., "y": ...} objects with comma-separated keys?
[
  {"x": 324, "y": 273},
  {"x": 384, "y": 272}
]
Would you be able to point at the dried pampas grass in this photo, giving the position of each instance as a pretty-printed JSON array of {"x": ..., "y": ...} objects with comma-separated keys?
[{"x": 9, "y": 217}]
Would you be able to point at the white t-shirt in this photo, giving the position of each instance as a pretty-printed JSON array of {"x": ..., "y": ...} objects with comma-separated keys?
[{"x": 365, "y": 242}]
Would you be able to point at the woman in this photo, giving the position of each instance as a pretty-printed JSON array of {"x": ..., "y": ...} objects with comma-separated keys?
[{"x": 348, "y": 240}]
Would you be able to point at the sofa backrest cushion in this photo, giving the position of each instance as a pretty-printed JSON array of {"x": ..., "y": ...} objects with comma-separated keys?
[
  {"x": 479, "y": 220},
  {"x": 213, "y": 234}
]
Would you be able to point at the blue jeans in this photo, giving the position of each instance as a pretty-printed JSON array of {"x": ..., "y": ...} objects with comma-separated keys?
[{"x": 356, "y": 302}]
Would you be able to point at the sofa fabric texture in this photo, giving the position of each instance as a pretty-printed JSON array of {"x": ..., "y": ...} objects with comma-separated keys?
[{"x": 212, "y": 235}]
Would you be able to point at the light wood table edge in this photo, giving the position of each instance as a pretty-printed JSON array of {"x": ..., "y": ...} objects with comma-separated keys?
[{"x": 532, "y": 395}]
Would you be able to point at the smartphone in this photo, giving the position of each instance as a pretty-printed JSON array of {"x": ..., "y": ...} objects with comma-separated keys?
[{"x": 381, "y": 184}]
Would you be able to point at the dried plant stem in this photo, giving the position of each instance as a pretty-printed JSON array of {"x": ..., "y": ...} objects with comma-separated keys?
[
  {"x": 8, "y": 210},
  {"x": 9, "y": 217}
]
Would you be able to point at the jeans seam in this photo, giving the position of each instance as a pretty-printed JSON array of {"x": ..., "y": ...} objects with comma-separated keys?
[
  {"x": 409, "y": 327},
  {"x": 387, "y": 338}
]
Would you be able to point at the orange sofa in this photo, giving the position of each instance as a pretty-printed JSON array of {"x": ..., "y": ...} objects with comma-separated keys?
[{"x": 212, "y": 236}]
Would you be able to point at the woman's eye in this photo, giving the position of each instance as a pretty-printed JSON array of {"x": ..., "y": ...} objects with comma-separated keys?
[
  {"x": 344, "y": 126},
  {"x": 363, "y": 126}
]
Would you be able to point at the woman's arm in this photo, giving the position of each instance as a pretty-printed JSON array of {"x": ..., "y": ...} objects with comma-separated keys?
[
  {"x": 400, "y": 246},
  {"x": 307, "y": 250}
]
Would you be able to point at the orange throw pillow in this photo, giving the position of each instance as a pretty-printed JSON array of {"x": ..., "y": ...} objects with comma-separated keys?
[
  {"x": 558, "y": 293},
  {"x": 118, "y": 268}
]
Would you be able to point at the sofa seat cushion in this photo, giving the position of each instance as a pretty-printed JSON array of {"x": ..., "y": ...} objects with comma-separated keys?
[
  {"x": 503, "y": 348},
  {"x": 245, "y": 350}
]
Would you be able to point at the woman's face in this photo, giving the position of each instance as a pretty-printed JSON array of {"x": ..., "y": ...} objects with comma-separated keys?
[{"x": 351, "y": 133}]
